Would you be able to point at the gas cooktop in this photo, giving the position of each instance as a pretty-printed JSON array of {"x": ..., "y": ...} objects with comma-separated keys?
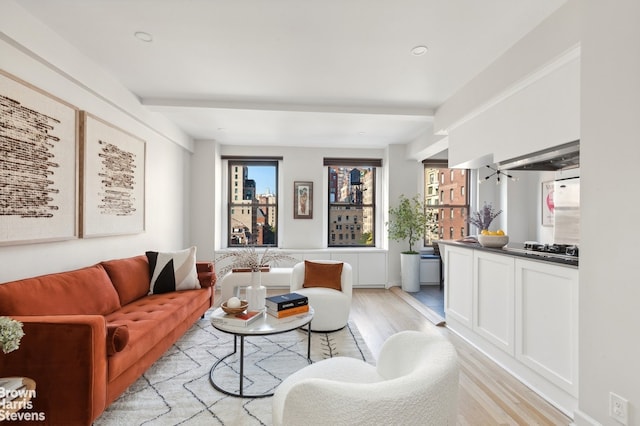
[{"x": 554, "y": 249}]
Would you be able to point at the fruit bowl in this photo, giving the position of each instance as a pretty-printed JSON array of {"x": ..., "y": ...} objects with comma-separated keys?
[
  {"x": 243, "y": 306},
  {"x": 493, "y": 241}
]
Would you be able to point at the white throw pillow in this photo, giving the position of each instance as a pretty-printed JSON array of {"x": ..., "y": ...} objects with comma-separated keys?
[{"x": 173, "y": 271}]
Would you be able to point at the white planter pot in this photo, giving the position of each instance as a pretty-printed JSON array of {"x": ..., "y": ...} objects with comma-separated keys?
[{"x": 410, "y": 272}]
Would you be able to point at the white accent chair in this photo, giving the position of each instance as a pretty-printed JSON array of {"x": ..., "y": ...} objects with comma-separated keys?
[
  {"x": 331, "y": 307},
  {"x": 414, "y": 383}
]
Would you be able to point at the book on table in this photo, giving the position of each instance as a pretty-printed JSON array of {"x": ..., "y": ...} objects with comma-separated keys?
[
  {"x": 297, "y": 310},
  {"x": 237, "y": 320},
  {"x": 285, "y": 301}
]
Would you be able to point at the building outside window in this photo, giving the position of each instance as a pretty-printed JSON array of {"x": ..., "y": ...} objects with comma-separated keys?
[
  {"x": 455, "y": 182},
  {"x": 253, "y": 217},
  {"x": 351, "y": 201}
]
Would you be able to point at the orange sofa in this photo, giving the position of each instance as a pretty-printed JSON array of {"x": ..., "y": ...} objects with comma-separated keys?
[{"x": 90, "y": 333}]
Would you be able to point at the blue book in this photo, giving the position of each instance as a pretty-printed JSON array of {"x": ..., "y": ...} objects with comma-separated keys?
[{"x": 285, "y": 301}]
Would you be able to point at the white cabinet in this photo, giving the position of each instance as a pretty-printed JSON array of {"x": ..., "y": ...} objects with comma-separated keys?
[
  {"x": 522, "y": 313},
  {"x": 493, "y": 295},
  {"x": 547, "y": 321},
  {"x": 430, "y": 270},
  {"x": 458, "y": 289}
]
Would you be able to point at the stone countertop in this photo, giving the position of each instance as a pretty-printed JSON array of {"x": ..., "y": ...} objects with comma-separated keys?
[{"x": 517, "y": 250}]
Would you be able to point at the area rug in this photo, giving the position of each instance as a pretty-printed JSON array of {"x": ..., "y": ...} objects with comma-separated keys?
[{"x": 176, "y": 390}]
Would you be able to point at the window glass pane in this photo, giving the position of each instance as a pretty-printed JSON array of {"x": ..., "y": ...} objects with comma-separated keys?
[
  {"x": 254, "y": 215},
  {"x": 441, "y": 226},
  {"x": 351, "y": 206}
]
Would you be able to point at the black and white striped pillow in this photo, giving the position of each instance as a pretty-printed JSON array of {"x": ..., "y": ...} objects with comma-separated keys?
[{"x": 172, "y": 271}]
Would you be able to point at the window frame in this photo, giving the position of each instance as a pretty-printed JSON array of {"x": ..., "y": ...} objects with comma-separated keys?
[
  {"x": 343, "y": 215},
  {"x": 438, "y": 204},
  {"x": 239, "y": 205}
]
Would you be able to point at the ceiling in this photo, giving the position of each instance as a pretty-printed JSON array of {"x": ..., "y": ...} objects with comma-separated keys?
[{"x": 330, "y": 73}]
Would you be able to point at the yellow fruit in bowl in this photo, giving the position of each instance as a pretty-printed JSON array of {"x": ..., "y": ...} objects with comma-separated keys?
[
  {"x": 484, "y": 232},
  {"x": 499, "y": 232},
  {"x": 494, "y": 233}
]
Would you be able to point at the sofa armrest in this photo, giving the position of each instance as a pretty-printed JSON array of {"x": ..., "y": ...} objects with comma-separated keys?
[
  {"x": 206, "y": 274},
  {"x": 66, "y": 355}
]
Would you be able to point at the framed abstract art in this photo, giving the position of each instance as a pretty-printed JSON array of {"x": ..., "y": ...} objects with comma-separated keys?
[
  {"x": 113, "y": 179},
  {"x": 38, "y": 173}
]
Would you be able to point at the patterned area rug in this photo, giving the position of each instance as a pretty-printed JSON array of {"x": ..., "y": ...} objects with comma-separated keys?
[{"x": 176, "y": 390}]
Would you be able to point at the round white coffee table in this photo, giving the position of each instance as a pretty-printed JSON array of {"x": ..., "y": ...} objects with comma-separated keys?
[{"x": 267, "y": 325}]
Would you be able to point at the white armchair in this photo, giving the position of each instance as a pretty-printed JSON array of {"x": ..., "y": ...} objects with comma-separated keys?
[
  {"x": 414, "y": 383},
  {"x": 331, "y": 307}
]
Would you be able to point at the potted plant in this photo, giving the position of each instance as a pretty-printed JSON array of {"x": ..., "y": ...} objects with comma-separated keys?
[
  {"x": 482, "y": 220},
  {"x": 248, "y": 259},
  {"x": 408, "y": 222},
  {"x": 10, "y": 334}
]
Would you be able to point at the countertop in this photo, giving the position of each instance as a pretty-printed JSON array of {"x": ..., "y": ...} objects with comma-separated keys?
[{"x": 517, "y": 249}]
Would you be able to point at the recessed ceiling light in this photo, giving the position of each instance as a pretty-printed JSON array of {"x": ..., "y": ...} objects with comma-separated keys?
[
  {"x": 419, "y": 50},
  {"x": 141, "y": 35},
  {"x": 362, "y": 133}
]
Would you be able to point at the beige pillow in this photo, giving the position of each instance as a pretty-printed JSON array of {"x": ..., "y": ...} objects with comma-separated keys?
[{"x": 322, "y": 275}]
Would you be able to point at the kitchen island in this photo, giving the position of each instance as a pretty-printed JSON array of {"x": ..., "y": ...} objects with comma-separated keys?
[{"x": 519, "y": 308}]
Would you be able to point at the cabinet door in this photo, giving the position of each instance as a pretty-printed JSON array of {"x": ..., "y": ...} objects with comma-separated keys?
[
  {"x": 547, "y": 321},
  {"x": 458, "y": 289},
  {"x": 493, "y": 295}
]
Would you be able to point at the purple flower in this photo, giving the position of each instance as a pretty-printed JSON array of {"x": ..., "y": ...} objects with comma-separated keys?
[{"x": 483, "y": 218}]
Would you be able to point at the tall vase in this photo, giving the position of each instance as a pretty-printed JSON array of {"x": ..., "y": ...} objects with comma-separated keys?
[{"x": 256, "y": 292}]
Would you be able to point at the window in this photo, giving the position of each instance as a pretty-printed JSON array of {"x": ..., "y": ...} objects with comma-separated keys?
[
  {"x": 351, "y": 196},
  {"x": 253, "y": 204},
  {"x": 457, "y": 203}
]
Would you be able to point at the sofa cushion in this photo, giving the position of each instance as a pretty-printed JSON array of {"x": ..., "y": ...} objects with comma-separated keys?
[
  {"x": 171, "y": 271},
  {"x": 117, "y": 338},
  {"x": 129, "y": 276},
  {"x": 327, "y": 275},
  {"x": 81, "y": 292}
]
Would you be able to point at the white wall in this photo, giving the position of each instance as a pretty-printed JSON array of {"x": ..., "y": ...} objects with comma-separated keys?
[
  {"x": 305, "y": 238},
  {"x": 31, "y": 52},
  {"x": 609, "y": 158}
]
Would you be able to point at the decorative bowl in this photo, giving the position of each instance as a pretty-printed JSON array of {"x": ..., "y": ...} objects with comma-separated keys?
[
  {"x": 243, "y": 307},
  {"x": 493, "y": 241}
]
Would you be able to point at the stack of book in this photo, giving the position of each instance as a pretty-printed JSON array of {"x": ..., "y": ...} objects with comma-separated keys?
[{"x": 286, "y": 305}]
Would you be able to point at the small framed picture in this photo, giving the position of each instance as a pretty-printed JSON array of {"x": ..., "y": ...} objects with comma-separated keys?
[
  {"x": 548, "y": 205},
  {"x": 302, "y": 200}
]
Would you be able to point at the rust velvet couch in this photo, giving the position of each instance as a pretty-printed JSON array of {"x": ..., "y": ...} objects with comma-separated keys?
[{"x": 91, "y": 332}]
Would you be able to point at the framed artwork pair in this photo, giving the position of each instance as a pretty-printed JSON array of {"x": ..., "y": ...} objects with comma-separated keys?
[{"x": 64, "y": 173}]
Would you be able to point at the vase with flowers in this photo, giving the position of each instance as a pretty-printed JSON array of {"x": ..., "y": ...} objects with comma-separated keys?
[
  {"x": 482, "y": 219},
  {"x": 248, "y": 259},
  {"x": 10, "y": 334}
]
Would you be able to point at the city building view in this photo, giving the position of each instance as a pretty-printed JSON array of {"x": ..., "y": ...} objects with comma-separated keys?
[
  {"x": 447, "y": 203},
  {"x": 351, "y": 206},
  {"x": 253, "y": 205}
]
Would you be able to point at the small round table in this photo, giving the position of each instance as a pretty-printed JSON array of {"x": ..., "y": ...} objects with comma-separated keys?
[{"x": 267, "y": 325}]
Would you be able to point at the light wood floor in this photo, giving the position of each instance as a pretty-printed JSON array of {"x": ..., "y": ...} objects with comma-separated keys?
[{"x": 488, "y": 395}]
